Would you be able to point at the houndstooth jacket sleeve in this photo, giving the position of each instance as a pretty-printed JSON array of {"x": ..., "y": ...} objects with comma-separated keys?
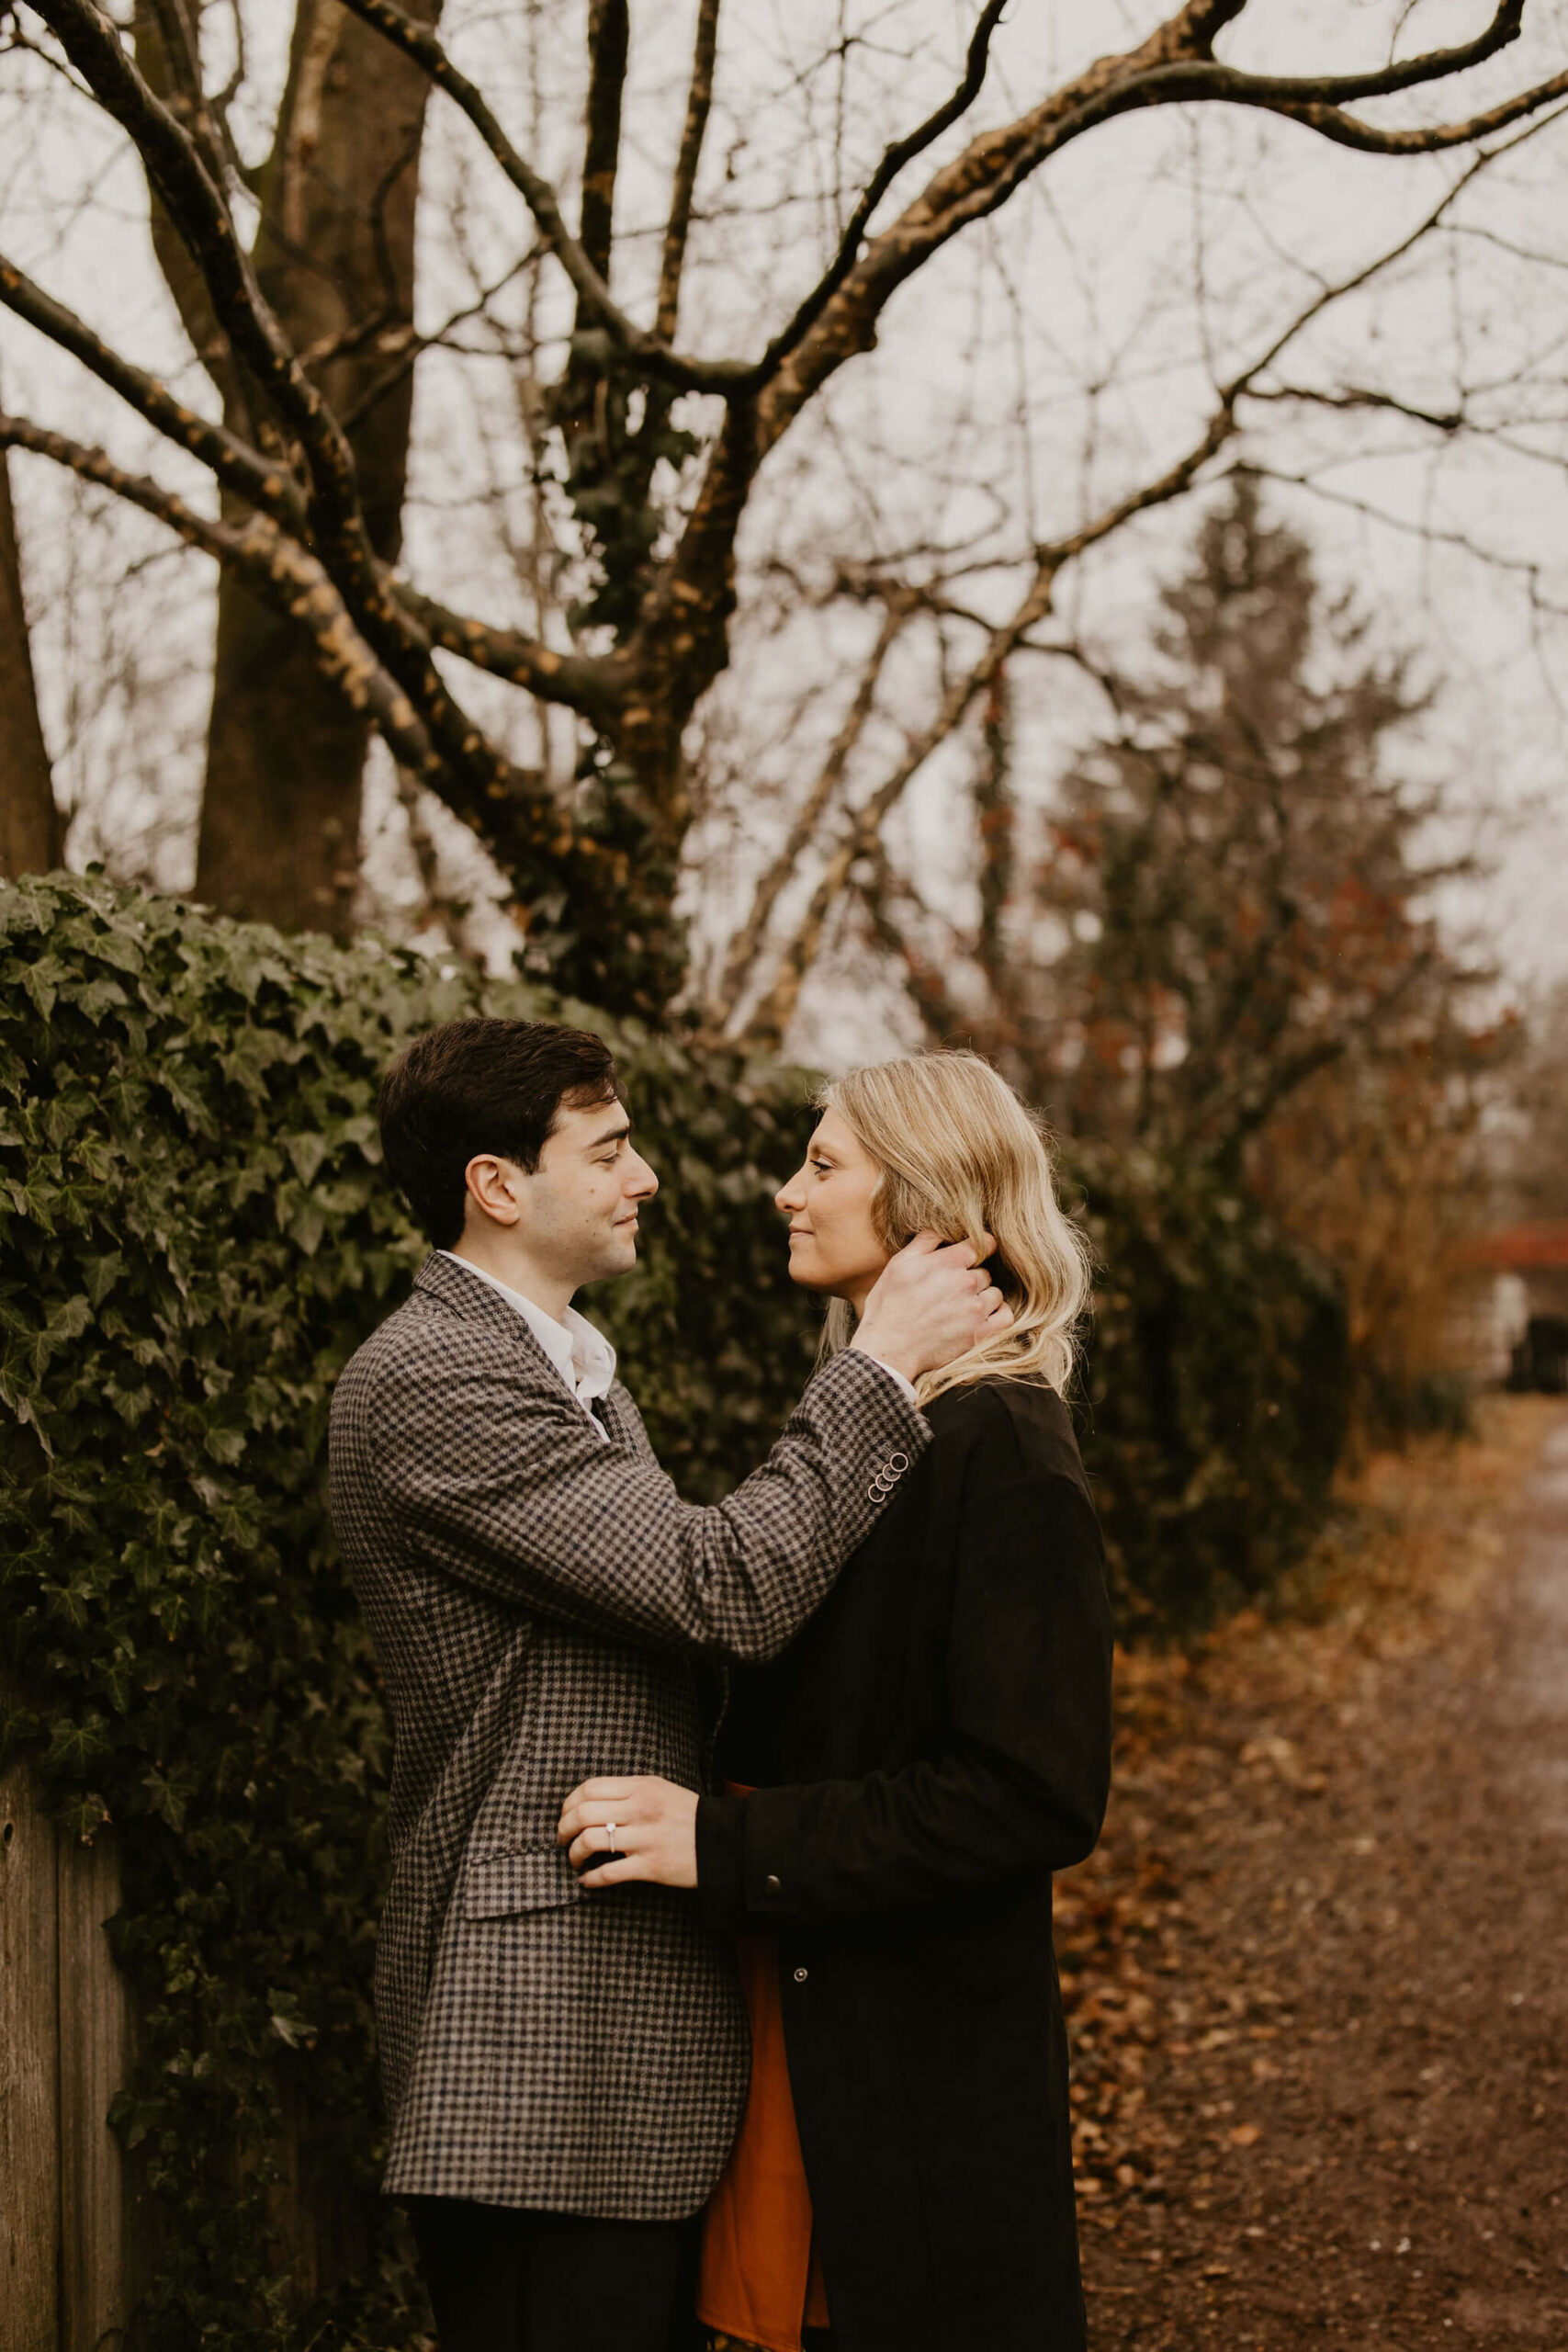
[{"x": 490, "y": 1468}]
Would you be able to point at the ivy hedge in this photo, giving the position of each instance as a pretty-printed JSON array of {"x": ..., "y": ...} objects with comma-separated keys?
[{"x": 194, "y": 1233}]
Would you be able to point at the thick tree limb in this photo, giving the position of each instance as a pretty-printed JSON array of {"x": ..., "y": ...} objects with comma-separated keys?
[
  {"x": 609, "y": 41},
  {"x": 259, "y": 481},
  {"x": 277, "y": 571},
  {"x": 478, "y": 773},
  {"x": 580, "y": 682},
  {"x": 1175, "y": 63},
  {"x": 1349, "y": 130},
  {"x": 168, "y": 54},
  {"x": 1379, "y": 81},
  {"x": 199, "y": 210},
  {"x": 574, "y": 680},
  {"x": 699, "y": 98}
]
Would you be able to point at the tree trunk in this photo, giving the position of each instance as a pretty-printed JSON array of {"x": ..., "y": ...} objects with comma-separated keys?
[
  {"x": 30, "y": 832},
  {"x": 336, "y": 255}
]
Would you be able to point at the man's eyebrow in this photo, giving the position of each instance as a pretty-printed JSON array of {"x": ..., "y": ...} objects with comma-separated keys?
[{"x": 611, "y": 1135}]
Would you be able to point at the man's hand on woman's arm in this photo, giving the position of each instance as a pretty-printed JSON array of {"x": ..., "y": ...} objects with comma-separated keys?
[{"x": 650, "y": 1824}]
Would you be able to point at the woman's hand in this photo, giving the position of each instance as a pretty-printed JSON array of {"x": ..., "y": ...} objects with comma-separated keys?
[{"x": 651, "y": 1825}]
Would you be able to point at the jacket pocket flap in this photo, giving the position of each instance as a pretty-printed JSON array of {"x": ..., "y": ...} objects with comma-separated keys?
[{"x": 538, "y": 1879}]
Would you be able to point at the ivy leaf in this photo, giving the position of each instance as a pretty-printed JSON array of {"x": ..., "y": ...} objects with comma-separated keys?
[
  {"x": 306, "y": 1153},
  {"x": 101, "y": 1273}
]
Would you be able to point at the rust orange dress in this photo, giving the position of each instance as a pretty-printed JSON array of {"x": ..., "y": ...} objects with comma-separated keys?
[{"x": 760, "y": 2279}]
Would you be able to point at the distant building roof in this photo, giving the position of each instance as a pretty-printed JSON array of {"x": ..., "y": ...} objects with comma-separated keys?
[{"x": 1538, "y": 1243}]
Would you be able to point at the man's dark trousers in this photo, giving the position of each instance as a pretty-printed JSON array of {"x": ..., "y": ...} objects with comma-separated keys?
[{"x": 502, "y": 2281}]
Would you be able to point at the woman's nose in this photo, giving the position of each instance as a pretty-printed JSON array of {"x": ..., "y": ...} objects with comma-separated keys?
[{"x": 789, "y": 1197}]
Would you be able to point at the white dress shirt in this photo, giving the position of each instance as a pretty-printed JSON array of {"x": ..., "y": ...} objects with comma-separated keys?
[{"x": 582, "y": 1356}]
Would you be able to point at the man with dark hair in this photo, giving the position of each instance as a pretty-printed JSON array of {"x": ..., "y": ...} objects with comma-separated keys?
[
  {"x": 476, "y": 1086},
  {"x": 565, "y": 2076}
]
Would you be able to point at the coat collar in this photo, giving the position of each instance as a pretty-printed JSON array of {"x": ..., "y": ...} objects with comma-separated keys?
[
  {"x": 476, "y": 1301},
  {"x": 468, "y": 1294}
]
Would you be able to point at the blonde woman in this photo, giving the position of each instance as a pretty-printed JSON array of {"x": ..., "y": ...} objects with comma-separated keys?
[{"x": 900, "y": 1786}]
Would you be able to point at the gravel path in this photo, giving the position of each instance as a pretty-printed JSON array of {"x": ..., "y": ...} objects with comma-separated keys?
[{"x": 1349, "y": 2122}]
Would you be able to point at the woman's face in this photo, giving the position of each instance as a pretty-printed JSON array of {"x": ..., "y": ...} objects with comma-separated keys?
[{"x": 833, "y": 1242}]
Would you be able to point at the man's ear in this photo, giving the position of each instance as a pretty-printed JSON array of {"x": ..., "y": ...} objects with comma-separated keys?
[{"x": 491, "y": 1184}]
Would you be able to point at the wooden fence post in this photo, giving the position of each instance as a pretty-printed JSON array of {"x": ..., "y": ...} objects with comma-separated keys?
[
  {"x": 72, "y": 2253},
  {"x": 30, "y": 2070},
  {"x": 97, "y": 2049}
]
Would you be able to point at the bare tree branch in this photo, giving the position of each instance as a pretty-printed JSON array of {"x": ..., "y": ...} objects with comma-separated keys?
[
  {"x": 593, "y": 295},
  {"x": 902, "y": 152},
  {"x": 746, "y": 946},
  {"x": 771, "y": 1018},
  {"x": 1174, "y": 65},
  {"x": 879, "y": 887},
  {"x": 1360, "y": 397}
]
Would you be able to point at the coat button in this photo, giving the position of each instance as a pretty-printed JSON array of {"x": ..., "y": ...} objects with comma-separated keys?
[
  {"x": 772, "y": 1884},
  {"x": 800, "y": 1975}
]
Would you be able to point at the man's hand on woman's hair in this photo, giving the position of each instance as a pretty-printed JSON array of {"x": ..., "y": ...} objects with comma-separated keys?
[{"x": 932, "y": 1302}]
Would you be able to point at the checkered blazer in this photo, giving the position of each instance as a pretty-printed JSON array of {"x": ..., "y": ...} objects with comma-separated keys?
[{"x": 540, "y": 1605}]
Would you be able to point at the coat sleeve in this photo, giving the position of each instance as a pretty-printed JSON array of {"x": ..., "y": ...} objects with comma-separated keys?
[
  {"x": 1020, "y": 1783},
  {"x": 521, "y": 1500}
]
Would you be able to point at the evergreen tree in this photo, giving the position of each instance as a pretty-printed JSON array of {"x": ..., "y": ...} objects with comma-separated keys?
[{"x": 1238, "y": 864}]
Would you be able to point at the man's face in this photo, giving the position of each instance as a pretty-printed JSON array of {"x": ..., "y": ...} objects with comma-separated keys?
[{"x": 577, "y": 1213}]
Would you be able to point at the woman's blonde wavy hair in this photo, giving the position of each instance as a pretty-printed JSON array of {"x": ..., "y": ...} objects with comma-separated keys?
[{"x": 959, "y": 1153}]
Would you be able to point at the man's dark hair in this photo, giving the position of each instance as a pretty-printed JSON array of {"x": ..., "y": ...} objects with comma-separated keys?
[{"x": 478, "y": 1086}]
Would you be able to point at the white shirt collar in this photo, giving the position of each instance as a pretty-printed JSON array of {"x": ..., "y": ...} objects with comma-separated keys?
[{"x": 582, "y": 1355}]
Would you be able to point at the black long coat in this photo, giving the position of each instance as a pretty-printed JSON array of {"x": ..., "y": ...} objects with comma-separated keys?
[{"x": 932, "y": 1746}]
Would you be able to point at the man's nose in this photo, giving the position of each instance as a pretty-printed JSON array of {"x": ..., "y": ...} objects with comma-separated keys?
[{"x": 641, "y": 1183}]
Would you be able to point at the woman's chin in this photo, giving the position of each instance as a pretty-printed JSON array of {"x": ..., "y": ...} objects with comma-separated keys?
[{"x": 806, "y": 1277}]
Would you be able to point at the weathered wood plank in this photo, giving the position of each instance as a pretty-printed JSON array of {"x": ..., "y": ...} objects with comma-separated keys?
[
  {"x": 29, "y": 2118},
  {"x": 95, "y": 2050}
]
